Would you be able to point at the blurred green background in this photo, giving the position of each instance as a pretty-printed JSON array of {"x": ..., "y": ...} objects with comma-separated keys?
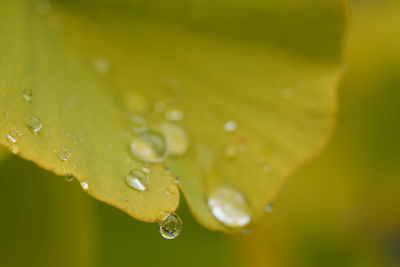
[{"x": 341, "y": 209}]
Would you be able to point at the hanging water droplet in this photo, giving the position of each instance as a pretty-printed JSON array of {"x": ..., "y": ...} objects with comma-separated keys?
[
  {"x": 101, "y": 65},
  {"x": 230, "y": 126},
  {"x": 137, "y": 179},
  {"x": 34, "y": 124},
  {"x": 69, "y": 178},
  {"x": 269, "y": 208},
  {"x": 229, "y": 207},
  {"x": 13, "y": 135},
  {"x": 174, "y": 115},
  {"x": 27, "y": 95},
  {"x": 64, "y": 154},
  {"x": 85, "y": 185},
  {"x": 176, "y": 138},
  {"x": 171, "y": 227},
  {"x": 148, "y": 146}
]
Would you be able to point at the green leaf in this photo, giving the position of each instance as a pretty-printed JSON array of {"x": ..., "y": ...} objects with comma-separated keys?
[{"x": 268, "y": 68}]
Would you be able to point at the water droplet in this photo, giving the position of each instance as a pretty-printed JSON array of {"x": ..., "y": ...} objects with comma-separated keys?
[
  {"x": 13, "y": 135},
  {"x": 230, "y": 151},
  {"x": 171, "y": 227},
  {"x": 101, "y": 65},
  {"x": 69, "y": 178},
  {"x": 27, "y": 95},
  {"x": 138, "y": 123},
  {"x": 34, "y": 124},
  {"x": 64, "y": 154},
  {"x": 85, "y": 185},
  {"x": 230, "y": 126},
  {"x": 43, "y": 7},
  {"x": 146, "y": 169},
  {"x": 176, "y": 138},
  {"x": 269, "y": 208},
  {"x": 137, "y": 179},
  {"x": 229, "y": 207},
  {"x": 148, "y": 146},
  {"x": 174, "y": 115},
  {"x": 14, "y": 148}
]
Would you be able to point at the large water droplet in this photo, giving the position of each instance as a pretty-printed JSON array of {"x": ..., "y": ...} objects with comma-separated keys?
[
  {"x": 64, "y": 154},
  {"x": 137, "y": 179},
  {"x": 13, "y": 135},
  {"x": 174, "y": 114},
  {"x": 148, "y": 146},
  {"x": 34, "y": 124},
  {"x": 171, "y": 226},
  {"x": 229, "y": 207},
  {"x": 85, "y": 185},
  {"x": 176, "y": 137},
  {"x": 230, "y": 126},
  {"x": 27, "y": 95}
]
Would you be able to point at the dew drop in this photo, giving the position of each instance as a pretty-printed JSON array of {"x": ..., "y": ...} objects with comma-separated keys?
[
  {"x": 171, "y": 227},
  {"x": 174, "y": 115},
  {"x": 137, "y": 179},
  {"x": 229, "y": 207},
  {"x": 27, "y": 95},
  {"x": 176, "y": 138},
  {"x": 34, "y": 124},
  {"x": 230, "y": 126},
  {"x": 14, "y": 148},
  {"x": 69, "y": 178},
  {"x": 64, "y": 154},
  {"x": 85, "y": 185},
  {"x": 101, "y": 65},
  {"x": 148, "y": 146},
  {"x": 13, "y": 135},
  {"x": 269, "y": 208}
]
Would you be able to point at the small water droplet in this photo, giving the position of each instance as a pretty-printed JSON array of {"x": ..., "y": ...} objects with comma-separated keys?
[
  {"x": 171, "y": 227},
  {"x": 137, "y": 179},
  {"x": 146, "y": 169},
  {"x": 230, "y": 151},
  {"x": 148, "y": 146},
  {"x": 101, "y": 65},
  {"x": 138, "y": 123},
  {"x": 229, "y": 207},
  {"x": 34, "y": 124},
  {"x": 177, "y": 181},
  {"x": 176, "y": 138},
  {"x": 269, "y": 208},
  {"x": 69, "y": 178},
  {"x": 85, "y": 185},
  {"x": 174, "y": 115},
  {"x": 27, "y": 95},
  {"x": 64, "y": 154},
  {"x": 13, "y": 135},
  {"x": 230, "y": 126},
  {"x": 14, "y": 148}
]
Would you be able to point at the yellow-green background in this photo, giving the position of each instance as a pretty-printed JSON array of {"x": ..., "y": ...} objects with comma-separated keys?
[{"x": 342, "y": 209}]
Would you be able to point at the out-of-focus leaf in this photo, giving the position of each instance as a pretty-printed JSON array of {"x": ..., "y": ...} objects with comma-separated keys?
[
  {"x": 268, "y": 67},
  {"x": 45, "y": 221}
]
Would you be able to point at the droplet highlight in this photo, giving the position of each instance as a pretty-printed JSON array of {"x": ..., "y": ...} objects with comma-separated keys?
[
  {"x": 64, "y": 154},
  {"x": 27, "y": 95},
  {"x": 171, "y": 227},
  {"x": 229, "y": 207},
  {"x": 176, "y": 138},
  {"x": 85, "y": 185},
  {"x": 269, "y": 208},
  {"x": 13, "y": 135},
  {"x": 149, "y": 146},
  {"x": 137, "y": 179},
  {"x": 34, "y": 124},
  {"x": 230, "y": 126}
]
